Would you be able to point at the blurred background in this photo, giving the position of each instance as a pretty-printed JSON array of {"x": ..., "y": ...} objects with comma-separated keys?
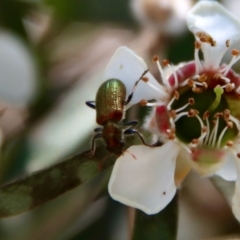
[{"x": 52, "y": 56}]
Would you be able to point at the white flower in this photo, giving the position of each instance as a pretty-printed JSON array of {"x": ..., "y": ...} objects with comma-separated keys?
[{"x": 196, "y": 116}]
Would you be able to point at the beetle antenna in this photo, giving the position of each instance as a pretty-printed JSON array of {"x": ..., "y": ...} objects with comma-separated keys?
[{"x": 134, "y": 87}]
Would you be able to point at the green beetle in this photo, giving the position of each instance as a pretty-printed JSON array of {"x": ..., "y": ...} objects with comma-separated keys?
[{"x": 110, "y": 103}]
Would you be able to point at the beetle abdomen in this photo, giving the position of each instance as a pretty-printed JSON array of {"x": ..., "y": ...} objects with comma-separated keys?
[{"x": 110, "y": 101}]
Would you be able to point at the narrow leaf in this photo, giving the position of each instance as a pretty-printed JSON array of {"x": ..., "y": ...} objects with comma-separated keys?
[{"x": 45, "y": 185}]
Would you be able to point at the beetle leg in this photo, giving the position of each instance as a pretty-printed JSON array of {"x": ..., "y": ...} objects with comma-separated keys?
[
  {"x": 129, "y": 98},
  {"x": 134, "y": 131},
  {"x": 92, "y": 151},
  {"x": 91, "y": 104},
  {"x": 97, "y": 130}
]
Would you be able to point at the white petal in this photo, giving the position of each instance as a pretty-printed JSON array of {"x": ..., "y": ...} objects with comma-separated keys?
[
  {"x": 228, "y": 170},
  {"x": 221, "y": 25},
  {"x": 236, "y": 202},
  {"x": 143, "y": 177},
  {"x": 236, "y": 196},
  {"x": 126, "y": 66}
]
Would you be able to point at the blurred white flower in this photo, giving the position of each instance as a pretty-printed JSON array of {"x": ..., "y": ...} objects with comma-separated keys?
[
  {"x": 196, "y": 116},
  {"x": 166, "y": 16},
  {"x": 17, "y": 70}
]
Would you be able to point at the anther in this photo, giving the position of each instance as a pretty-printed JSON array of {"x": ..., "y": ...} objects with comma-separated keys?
[
  {"x": 204, "y": 37},
  {"x": 197, "y": 45},
  {"x": 235, "y": 58},
  {"x": 162, "y": 74},
  {"x": 204, "y": 129},
  {"x": 143, "y": 102},
  {"x": 229, "y": 124},
  {"x": 229, "y": 87},
  {"x": 192, "y": 113},
  {"x": 228, "y": 43},
  {"x": 171, "y": 134},
  {"x": 218, "y": 114},
  {"x": 172, "y": 114},
  {"x": 165, "y": 62},
  {"x": 229, "y": 143},
  {"x": 235, "y": 52},
  {"x": 217, "y": 76},
  {"x": 176, "y": 95},
  {"x": 197, "y": 89},
  {"x": 206, "y": 115},
  {"x": 226, "y": 115},
  {"x": 205, "y": 85},
  {"x": 238, "y": 155},
  {"x": 190, "y": 82},
  {"x": 155, "y": 58},
  {"x": 202, "y": 78},
  {"x": 191, "y": 101},
  {"x": 145, "y": 79}
]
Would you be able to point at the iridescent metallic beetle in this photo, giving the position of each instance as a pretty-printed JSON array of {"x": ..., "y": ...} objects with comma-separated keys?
[{"x": 110, "y": 109}]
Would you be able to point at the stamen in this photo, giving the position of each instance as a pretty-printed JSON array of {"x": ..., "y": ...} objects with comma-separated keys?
[
  {"x": 227, "y": 80},
  {"x": 235, "y": 58},
  {"x": 221, "y": 136},
  {"x": 196, "y": 57},
  {"x": 206, "y": 38},
  {"x": 172, "y": 114},
  {"x": 166, "y": 63},
  {"x": 201, "y": 122},
  {"x": 229, "y": 87},
  {"x": 193, "y": 113},
  {"x": 197, "y": 89},
  {"x": 182, "y": 108},
  {"x": 178, "y": 116},
  {"x": 226, "y": 115},
  {"x": 157, "y": 89},
  {"x": 236, "y": 121},
  {"x": 229, "y": 143},
  {"x": 202, "y": 78},
  {"x": 191, "y": 82},
  {"x": 143, "y": 102},
  {"x": 208, "y": 130},
  {"x": 175, "y": 97},
  {"x": 164, "y": 79},
  {"x": 203, "y": 135},
  {"x": 149, "y": 104},
  {"x": 171, "y": 134},
  {"x": 220, "y": 76},
  {"x": 184, "y": 83},
  {"x": 214, "y": 132},
  {"x": 190, "y": 102}
]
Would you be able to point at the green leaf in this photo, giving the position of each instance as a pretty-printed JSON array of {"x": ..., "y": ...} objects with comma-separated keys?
[
  {"x": 45, "y": 185},
  {"x": 159, "y": 226}
]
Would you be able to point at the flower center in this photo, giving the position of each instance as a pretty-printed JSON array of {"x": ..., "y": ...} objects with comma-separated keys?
[{"x": 201, "y": 112}]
